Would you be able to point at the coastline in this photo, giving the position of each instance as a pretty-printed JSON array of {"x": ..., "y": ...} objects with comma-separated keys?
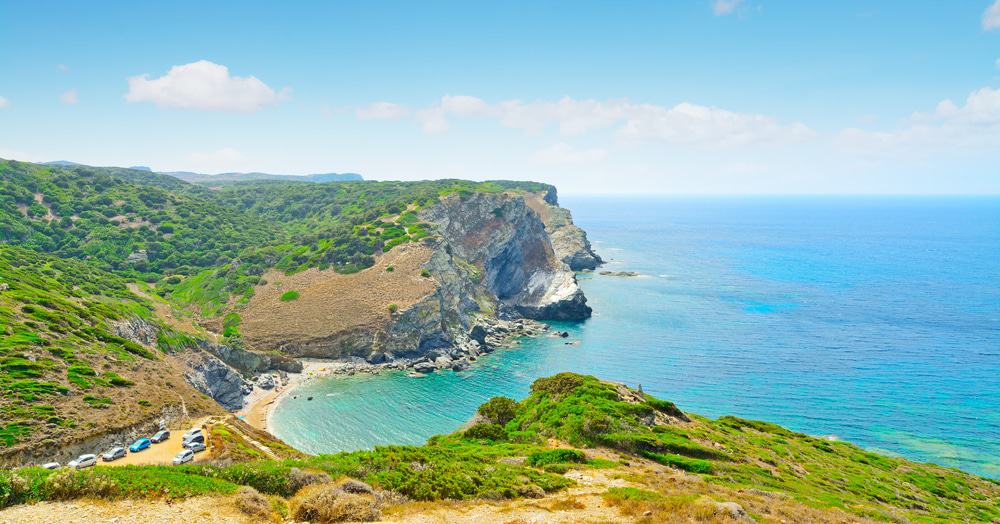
[
  {"x": 258, "y": 405},
  {"x": 257, "y": 409}
]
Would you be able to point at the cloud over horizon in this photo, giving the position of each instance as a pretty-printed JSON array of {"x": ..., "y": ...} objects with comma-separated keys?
[
  {"x": 683, "y": 123},
  {"x": 203, "y": 85}
]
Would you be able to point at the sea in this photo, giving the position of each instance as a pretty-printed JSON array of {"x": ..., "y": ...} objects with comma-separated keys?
[{"x": 874, "y": 320}]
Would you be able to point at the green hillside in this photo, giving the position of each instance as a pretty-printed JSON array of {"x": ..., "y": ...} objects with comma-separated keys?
[
  {"x": 765, "y": 468},
  {"x": 201, "y": 246}
]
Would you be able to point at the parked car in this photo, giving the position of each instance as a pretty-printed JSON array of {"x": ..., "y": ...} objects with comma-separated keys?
[
  {"x": 113, "y": 454},
  {"x": 184, "y": 456},
  {"x": 196, "y": 438},
  {"x": 51, "y": 465},
  {"x": 83, "y": 461},
  {"x": 197, "y": 447},
  {"x": 191, "y": 433},
  {"x": 160, "y": 436},
  {"x": 139, "y": 445}
]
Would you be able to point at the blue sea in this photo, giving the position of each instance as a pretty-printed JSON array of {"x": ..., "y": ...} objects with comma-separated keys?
[{"x": 872, "y": 319}]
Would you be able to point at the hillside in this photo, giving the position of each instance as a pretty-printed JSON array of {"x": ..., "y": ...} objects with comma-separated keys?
[
  {"x": 577, "y": 449},
  {"x": 66, "y": 372},
  {"x": 217, "y": 286}
]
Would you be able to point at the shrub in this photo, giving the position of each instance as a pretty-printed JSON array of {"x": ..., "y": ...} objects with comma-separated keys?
[
  {"x": 252, "y": 503},
  {"x": 425, "y": 273},
  {"x": 328, "y": 503},
  {"x": 499, "y": 410},
  {"x": 393, "y": 308},
  {"x": 300, "y": 478},
  {"x": 389, "y": 269},
  {"x": 289, "y": 295},
  {"x": 486, "y": 431},
  {"x": 560, "y": 384},
  {"x": 554, "y": 456}
]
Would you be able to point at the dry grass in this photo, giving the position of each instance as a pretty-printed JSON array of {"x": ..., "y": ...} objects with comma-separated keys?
[
  {"x": 330, "y": 503},
  {"x": 330, "y": 303},
  {"x": 252, "y": 503}
]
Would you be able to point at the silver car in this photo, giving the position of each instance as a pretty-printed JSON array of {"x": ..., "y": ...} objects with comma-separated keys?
[
  {"x": 196, "y": 447},
  {"x": 184, "y": 456},
  {"x": 114, "y": 454},
  {"x": 83, "y": 461},
  {"x": 51, "y": 465}
]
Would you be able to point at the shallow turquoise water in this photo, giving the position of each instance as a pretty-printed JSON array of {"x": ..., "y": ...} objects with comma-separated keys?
[{"x": 876, "y": 320}]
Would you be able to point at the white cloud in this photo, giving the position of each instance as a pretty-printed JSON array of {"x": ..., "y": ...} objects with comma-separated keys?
[
  {"x": 225, "y": 159},
  {"x": 382, "y": 111},
  {"x": 684, "y": 123},
  {"x": 991, "y": 17},
  {"x": 974, "y": 124},
  {"x": 432, "y": 120},
  {"x": 203, "y": 85},
  {"x": 565, "y": 154},
  {"x": 4, "y": 102},
  {"x": 725, "y": 7},
  {"x": 69, "y": 97}
]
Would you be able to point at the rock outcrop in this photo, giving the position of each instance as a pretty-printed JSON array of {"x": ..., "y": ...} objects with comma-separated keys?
[
  {"x": 569, "y": 242},
  {"x": 214, "y": 378}
]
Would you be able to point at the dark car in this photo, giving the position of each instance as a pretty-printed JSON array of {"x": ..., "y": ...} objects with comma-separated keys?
[
  {"x": 160, "y": 436},
  {"x": 191, "y": 440}
]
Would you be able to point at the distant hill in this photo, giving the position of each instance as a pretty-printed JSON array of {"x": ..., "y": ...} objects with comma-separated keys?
[
  {"x": 201, "y": 178},
  {"x": 222, "y": 178}
]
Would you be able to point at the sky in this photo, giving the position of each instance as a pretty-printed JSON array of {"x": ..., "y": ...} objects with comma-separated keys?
[{"x": 629, "y": 97}]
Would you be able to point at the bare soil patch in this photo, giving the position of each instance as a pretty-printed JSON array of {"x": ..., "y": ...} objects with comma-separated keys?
[{"x": 329, "y": 302}]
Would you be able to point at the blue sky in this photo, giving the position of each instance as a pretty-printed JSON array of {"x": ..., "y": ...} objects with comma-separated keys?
[{"x": 700, "y": 96}]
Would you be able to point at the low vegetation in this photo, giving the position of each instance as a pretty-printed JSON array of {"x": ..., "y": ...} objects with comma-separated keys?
[{"x": 765, "y": 467}]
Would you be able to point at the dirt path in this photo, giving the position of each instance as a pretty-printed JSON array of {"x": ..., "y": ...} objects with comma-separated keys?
[
  {"x": 581, "y": 503},
  {"x": 166, "y": 313},
  {"x": 162, "y": 453},
  {"x": 200, "y": 509}
]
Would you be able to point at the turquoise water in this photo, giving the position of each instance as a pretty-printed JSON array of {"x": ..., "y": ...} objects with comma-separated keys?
[{"x": 876, "y": 320}]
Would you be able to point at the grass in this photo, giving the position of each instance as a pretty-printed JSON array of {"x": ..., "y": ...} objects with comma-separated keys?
[
  {"x": 816, "y": 480},
  {"x": 289, "y": 296}
]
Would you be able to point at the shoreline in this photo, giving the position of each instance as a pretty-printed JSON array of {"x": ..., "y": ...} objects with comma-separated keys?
[
  {"x": 257, "y": 410},
  {"x": 259, "y": 404}
]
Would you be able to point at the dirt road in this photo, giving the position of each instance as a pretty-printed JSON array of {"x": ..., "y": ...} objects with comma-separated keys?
[{"x": 162, "y": 453}]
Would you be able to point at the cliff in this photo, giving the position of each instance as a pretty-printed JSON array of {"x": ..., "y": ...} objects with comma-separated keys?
[{"x": 490, "y": 260}]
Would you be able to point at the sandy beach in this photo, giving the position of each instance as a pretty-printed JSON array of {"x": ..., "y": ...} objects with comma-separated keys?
[{"x": 258, "y": 408}]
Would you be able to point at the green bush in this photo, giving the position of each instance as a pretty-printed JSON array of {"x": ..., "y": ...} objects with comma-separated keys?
[
  {"x": 554, "y": 456},
  {"x": 499, "y": 410},
  {"x": 289, "y": 295},
  {"x": 393, "y": 308},
  {"x": 486, "y": 432}
]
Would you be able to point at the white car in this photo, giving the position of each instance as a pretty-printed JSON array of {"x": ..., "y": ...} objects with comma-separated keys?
[
  {"x": 184, "y": 456},
  {"x": 83, "y": 461},
  {"x": 191, "y": 433},
  {"x": 196, "y": 447},
  {"x": 51, "y": 465}
]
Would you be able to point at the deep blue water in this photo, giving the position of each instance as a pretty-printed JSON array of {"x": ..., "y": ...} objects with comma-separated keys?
[{"x": 874, "y": 319}]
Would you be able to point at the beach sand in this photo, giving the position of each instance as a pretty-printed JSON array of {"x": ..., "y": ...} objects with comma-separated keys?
[{"x": 259, "y": 403}]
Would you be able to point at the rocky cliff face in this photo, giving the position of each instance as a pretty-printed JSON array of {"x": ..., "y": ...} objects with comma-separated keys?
[
  {"x": 217, "y": 370},
  {"x": 506, "y": 240},
  {"x": 494, "y": 267}
]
